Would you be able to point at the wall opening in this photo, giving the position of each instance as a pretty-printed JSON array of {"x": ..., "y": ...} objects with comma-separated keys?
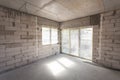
[
  {"x": 65, "y": 41},
  {"x": 77, "y": 42},
  {"x": 86, "y": 35},
  {"x": 49, "y": 35}
]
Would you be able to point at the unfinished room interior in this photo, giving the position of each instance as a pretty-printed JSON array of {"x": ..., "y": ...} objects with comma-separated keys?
[{"x": 59, "y": 39}]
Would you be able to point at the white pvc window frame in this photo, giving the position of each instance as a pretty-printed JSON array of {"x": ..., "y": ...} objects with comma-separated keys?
[{"x": 49, "y": 35}]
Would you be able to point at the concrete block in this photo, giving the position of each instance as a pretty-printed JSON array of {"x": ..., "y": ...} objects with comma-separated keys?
[{"x": 108, "y": 13}]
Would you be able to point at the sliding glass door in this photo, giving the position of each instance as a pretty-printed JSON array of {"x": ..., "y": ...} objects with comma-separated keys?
[
  {"x": 86, "y": 43},
  {"x": 77, "y": 42},
  {"x": 74, "y": 42},
  {"x": 65, "y": 41}
]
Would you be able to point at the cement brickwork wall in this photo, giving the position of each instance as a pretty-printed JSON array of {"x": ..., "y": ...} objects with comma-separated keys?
[
  {"x": 96, "y": 42},
  {"x": 110, "y": 39},
  {"x": 106, "y": 37},
  {"x": 20, "y": 39},
  {"x": 81, "y": 22}
]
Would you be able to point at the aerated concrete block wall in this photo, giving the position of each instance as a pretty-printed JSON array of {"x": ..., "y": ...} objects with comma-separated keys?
[
  {"x": 81, "y": 22},
  {"x": 110, "y": 40},
  {"x": 106, "y": 37},
  {"x": 21, "y": 39}
]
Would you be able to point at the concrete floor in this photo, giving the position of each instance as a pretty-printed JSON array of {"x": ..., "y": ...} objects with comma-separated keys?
[{"x": 61, "y": 67}]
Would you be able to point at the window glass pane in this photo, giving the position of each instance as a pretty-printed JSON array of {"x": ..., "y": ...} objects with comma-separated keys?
[
  {"x": 74, "y": 42},
  {"x": 45, "y": 35},
  {"x": 86, "y": 43},
  {"x": 65, "y": 41},
  {"x": 54, "y": 36}
]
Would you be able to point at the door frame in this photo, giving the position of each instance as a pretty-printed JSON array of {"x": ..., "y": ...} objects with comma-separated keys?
[{"x": 78, "y": 41}]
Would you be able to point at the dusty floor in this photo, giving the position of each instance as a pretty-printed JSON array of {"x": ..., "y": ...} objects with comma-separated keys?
[{"x": 61, "y": 67}]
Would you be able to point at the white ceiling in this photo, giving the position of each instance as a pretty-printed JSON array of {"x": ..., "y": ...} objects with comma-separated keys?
[{"x": 62, "y": 10}]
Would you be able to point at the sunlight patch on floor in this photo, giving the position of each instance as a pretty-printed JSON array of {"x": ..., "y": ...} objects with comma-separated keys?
[
  {"x": 55, "y": 68},
  {"x": 66, "y": 62}
]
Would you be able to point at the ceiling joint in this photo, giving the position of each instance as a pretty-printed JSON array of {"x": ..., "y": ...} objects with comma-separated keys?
[
  {"x": 47, "y": 4},
  {"x": 22, "y": 6}
]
